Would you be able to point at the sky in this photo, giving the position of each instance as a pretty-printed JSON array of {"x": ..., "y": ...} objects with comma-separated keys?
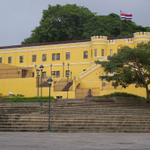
[{"x": 19, "y": 17}]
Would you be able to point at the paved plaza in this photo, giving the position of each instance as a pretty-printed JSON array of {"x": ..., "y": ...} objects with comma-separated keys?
[{"x": 74, "y": 141}]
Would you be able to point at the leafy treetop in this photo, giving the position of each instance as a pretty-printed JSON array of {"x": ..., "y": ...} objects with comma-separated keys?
[{"x": 72, "y": 22}]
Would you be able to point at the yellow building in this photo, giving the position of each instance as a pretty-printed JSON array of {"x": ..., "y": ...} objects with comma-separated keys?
[{"x": 70, "y": 64}]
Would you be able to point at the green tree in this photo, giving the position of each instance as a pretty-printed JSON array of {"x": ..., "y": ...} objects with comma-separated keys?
[
  {"x": 60, "y": 23},
  {"x": 72, "y": 22},
  {"x": 129, "y": 66}
]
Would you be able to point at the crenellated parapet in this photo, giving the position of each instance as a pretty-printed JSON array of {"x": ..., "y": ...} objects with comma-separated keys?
[
  {"x": 93, "y": 38},
  {"x": 141, "y": 37},
  {"x": 141, "y": 34},
  {"x": 129, "y": 40},
  {"x": 99, "y": 39}
]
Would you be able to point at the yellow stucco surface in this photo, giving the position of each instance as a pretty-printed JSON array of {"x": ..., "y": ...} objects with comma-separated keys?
[{"x": 83, "y": 71}]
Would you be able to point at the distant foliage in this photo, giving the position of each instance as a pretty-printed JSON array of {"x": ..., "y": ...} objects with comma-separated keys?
[{"x": 72, "y": 22}]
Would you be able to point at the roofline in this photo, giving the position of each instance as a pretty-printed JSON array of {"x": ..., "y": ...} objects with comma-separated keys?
[
  {"x": 43, "y": 44},
  {"x": 58, "y": 42}
]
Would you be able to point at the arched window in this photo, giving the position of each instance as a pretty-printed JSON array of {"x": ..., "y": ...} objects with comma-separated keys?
[
  {"x": 111, "y": 52},
  {"x": 1, "y": 60},
  {"x": 95, "y": 52},
  {"x": 85, "y": 54},
  {"x": 34, "y": 58},
  {"x": 44, "y": 57},
  {"x": 9, "y": 60},
  {"x": 67, "y": 55},
  {"x": 102, "y": 52}
]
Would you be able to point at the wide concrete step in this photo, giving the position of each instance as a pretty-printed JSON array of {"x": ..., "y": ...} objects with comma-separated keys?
[
  {"x": 67, "y": 104},
  {"x": 120, "y": 109},
  {"x": 70, "y": 105},
  {"x": 103, "y": 118},
  {"x": 108, "y": 120},
  {"x": 104, "y": 128},
  {"x": 100, "y": 121},
  {"x": 101, "y": 130},
  {"x": 84, "y": 113},
  {"x": 102, "y": 110},
  {"x": 116, "y": 124},
  {"x": 18, "y": 124},
  {"x": 24, "y": 129},
  {"x": 101, "y": 115},
  {"x": 98, "y": 104},
  {"x": 99, "y": 107}
]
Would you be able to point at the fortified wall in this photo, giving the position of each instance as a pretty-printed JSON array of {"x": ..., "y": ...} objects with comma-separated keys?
[{"x": 71, "y": 65}]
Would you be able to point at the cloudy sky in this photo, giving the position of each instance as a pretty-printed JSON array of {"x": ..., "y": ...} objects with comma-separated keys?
[{"x": 19, "y": 17}]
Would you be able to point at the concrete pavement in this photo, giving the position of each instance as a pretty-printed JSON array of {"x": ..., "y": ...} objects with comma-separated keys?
[{"x": 74, "y": 141}]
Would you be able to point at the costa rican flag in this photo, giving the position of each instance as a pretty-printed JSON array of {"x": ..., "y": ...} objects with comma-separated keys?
[{"x": 126, "y": 16}]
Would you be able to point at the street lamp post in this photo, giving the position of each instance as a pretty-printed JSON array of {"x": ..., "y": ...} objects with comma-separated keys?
[
  {"x": 38, "y": 76},
  {"x": 68, "y": 74},
  {"x": 49, "y": 81},
  {"x": 41, "y": 69}
]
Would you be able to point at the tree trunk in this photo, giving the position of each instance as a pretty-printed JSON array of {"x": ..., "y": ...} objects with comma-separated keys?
[{"x": 147, "y": 93}]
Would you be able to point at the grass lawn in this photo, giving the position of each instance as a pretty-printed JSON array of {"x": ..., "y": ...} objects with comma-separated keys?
[
  {"x": 24, "y": 99},
  {"x": 121, "y": 96}
]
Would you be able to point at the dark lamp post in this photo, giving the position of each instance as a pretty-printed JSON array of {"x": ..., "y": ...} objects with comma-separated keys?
[
  {"x": 41, "y": 67},
  {"x": 49, "y": 81},
  {"x": 38, "y": 75},
  {"x": 68, "y": 75}
]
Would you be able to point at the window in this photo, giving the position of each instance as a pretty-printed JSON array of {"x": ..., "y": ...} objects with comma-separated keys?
[
  {"x": 24, "y": 73},
  {"x": 67, "y": 55},
  {"x": 56, "y": 56},
  {"x": 44, "y": 57},
  {"x": 111, "y": 52},
  {"x": 85, "y": 54},
  {"x": 21, "y": 59},
  {"x": 33, "y": 58},
  {"x": 103, "y": 52},
  {"x": 95, "y": 52},
  {"x": 53, "y": 56},
  {"x": 56, "y": 74},
  {"x": 1, "y": 60},
  {"x": 9, "y": 60}
]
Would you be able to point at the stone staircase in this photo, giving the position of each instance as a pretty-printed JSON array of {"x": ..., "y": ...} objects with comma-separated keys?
[
  {"x": 68, "y": 85},
  {"x": 63, "y": 85},
  {"x": 23, "y": 117},
  {"x": 105, "y": 115},
  {"x": 88, "y": 70}
]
